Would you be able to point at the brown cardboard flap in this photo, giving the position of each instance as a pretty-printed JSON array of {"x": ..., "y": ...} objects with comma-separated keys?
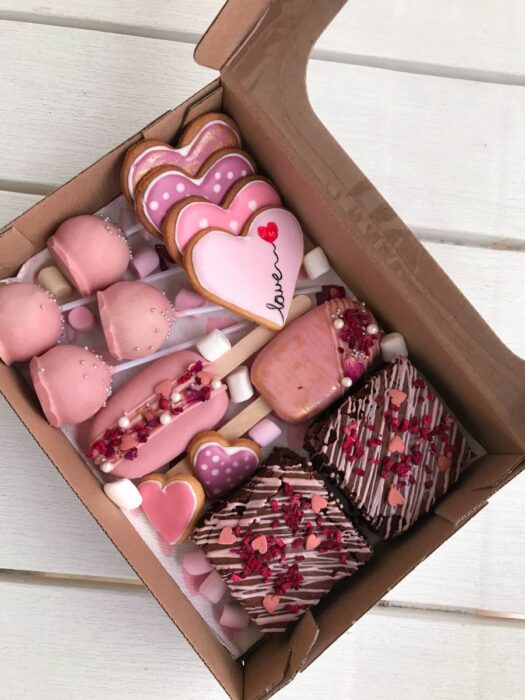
[
  {"x": 368, "y": 244},
  {"x": 15, "y": 249},
  {"x": 276, "y": 662},
  {"x": 477, "y": 485},
  {"x": 228, "y": 31}
]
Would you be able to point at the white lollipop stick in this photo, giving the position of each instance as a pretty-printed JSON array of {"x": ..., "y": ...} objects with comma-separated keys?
[{"x": 123, "y": 366}]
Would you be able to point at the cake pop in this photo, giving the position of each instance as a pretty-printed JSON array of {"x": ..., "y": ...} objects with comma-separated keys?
[
  {"x": 30, "y": 321},
  {"x": 90, "y": 251}
]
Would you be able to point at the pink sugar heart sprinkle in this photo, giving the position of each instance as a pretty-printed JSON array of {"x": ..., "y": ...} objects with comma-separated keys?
[
  {"x": 312, "y": 542},
  {"x": 396, "y": 445},
  {"x": 163, "y": 388},
  {"x": 318, "y": 503},
  {"x": 397, "y": 396},
  {"x": 395, "y": 497},
  {"x": 227, "y": 537},
  {"x": 271, "y": 603},
  {"x": 443, "y": 463},
  {"x": 128, "y": 442},
  {"x": 260, "y": 544}
]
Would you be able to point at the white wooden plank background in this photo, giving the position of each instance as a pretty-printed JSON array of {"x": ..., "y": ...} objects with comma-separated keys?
[{"x": 432, "y": 112}]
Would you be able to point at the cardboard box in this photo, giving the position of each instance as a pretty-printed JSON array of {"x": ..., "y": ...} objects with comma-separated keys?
[{"x": 261, "y": 49}]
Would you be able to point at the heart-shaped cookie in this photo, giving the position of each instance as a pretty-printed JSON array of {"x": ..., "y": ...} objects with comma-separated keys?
[
  {"x": 202, "y": 137},
  {"x": 166, "y": 185},
  {"x": 255, "y": 273},
  {"x": 172, "y": 504},
  {"x": 191, "y": 215},
  {"x": 222, "y": 465}
]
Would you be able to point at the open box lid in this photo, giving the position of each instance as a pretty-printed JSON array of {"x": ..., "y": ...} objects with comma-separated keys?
[{"x": 261, "y": 48}]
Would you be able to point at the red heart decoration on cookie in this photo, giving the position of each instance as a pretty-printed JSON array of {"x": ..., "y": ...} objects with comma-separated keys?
[
  {"x": 243, "y": 272},
  {"x": 227, "y": 536},
  {"x": 396, "y": 445},
  {"x": 269, "y": 233},
  {"x": 260, "y": 544},
  {"x": 318, "y": 503},
  {"x": 312, "y": 542},
  {"x": 172, "y": 505}
]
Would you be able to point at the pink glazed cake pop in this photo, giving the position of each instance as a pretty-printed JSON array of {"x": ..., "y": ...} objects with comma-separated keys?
[
  {"x": 72, "y": 383},
  {"x": 91, "y": 252},
  {"x": 30, "y": 321},
  {"x": 136, "y": 319}
]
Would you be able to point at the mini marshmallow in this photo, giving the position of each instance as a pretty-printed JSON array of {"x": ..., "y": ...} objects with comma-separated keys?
[
  {"x": 264, "y": 432},
  {"x": 193, "y": 583},
  {"x": 196, "y": 563},
  {"x": 81, "y": 319},
  {"x": 187, "y": 299},
  {"x": 213, "y": 345},
  {"x": 393, "y": 345},
  {"x": 213, "y": 587},
  {"x": 54, "y": 281},
  {"x": 123, "y": 493},
  {"x": 240, "y": 385},
  {"x": 315, "y": 263},
  {"x": 234, "y": 617},
  {"x": 144, "y": 262}
]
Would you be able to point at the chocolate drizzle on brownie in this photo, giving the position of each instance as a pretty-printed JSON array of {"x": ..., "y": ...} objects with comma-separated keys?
[
  {"x": 292, "y": 542},
  {"x": 393, "y": 448}
]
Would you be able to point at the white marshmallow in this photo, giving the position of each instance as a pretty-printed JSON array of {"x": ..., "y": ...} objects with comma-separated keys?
[
  {"x": 123, "y": 493},
  {"x": 213, "y": 345},
  {"x": 316, "y": 263},
  {"x": 393, "y": 345},
  {"x": 240, "y": 385}
]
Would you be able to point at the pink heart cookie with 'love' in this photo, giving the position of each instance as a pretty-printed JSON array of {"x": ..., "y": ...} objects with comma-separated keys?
[
  {"x": 191, "y": 215},
  {"x": 163, "y": 187},
  {"x": 172, "y": 505},
  {"x": 255, "y": 273},
  {"x": 222, "y": 465},
  {"x": 199, "y": 140}
]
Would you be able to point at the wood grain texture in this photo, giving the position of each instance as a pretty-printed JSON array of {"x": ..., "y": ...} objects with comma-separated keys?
[
  {"x": 104, "y": 643},
  {"x": 485, "y": 40},
  {"x": 446, "y": 153}
]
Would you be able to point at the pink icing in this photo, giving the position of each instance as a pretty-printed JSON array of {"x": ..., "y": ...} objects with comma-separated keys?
[
  {"x": 221, "y": 469},
  {"x": 171, "y": 186},
  {"x": 90, "y": 251},
  {"x": 166, "y": 441},
  {"x": 30, "y": 321},
  {"x": 136, "y": 318},
  {"x": 211, "y": 137},
  {"x": 300, "y": 371},
  {"x": 71, "y": 383},
  {"x": 196, "y": 216},
  {"x": 169, "y": 508},
  {"x": 255, "y": 274}
]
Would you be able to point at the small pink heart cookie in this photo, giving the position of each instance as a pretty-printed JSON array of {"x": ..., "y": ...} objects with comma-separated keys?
[
  {"x": 172, "y": 504},
  {"x": 254, "y": 273},
  {"x": 222, "y": 465},
  {"x": 166, "y": 185},
  {"x": 202, "y": 137},
  {"x": 191, "y": 215}
]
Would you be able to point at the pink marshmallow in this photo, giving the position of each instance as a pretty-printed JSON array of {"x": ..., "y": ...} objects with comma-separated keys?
[
  {"x": 234, "y": 617},
  {"x": 144, "y": 262},
  {"x": 81, "y": 319},
  {"x": 264, "y": 432},
  {"x": 193, "y": 583},
  {"x": 213, "y": 587},
  {"x": 196, "y": 563},
  {"x": 187, "y": 299}
]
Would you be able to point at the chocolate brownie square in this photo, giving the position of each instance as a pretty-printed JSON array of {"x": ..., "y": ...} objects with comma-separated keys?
[
  {"x": 281, "y": 542},
  {"x": 393, "y": 448}
]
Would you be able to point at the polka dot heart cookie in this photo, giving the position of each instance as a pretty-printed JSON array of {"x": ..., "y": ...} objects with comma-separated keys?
[
  {"x": 191, "y": 215},
  {"x": 222, "y": 465},
  {"x": 166, "y": 185},
  {"x": 202, "y": 137}
]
